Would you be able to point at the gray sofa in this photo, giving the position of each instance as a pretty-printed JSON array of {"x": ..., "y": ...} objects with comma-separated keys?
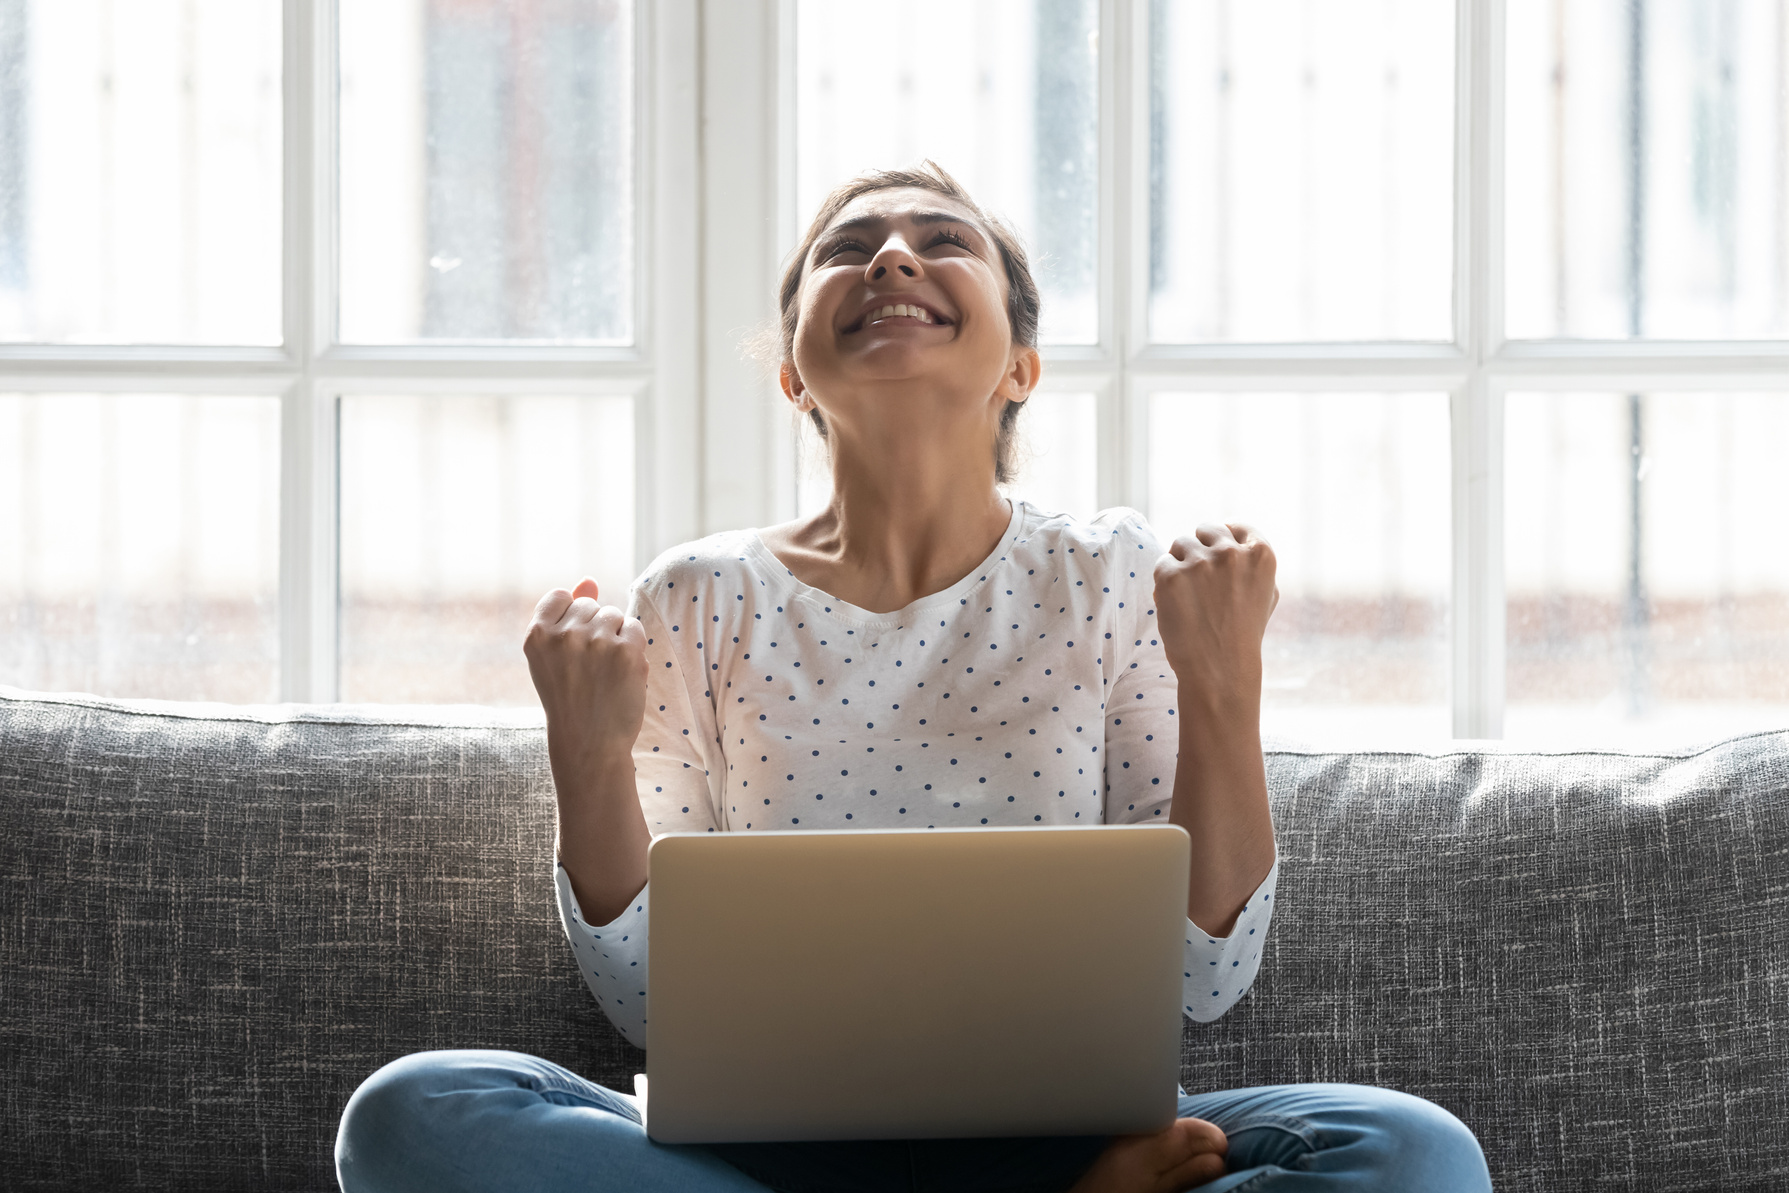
[{"x": 217, "y": 920}]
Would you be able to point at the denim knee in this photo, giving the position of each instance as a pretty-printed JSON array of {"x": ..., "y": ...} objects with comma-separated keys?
[
  {"x": 385, "y": 1122},
  {"x": 1423, "y": 1143}
]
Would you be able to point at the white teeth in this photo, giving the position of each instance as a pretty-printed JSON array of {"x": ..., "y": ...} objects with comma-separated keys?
[{"x": 900, "y": 309}]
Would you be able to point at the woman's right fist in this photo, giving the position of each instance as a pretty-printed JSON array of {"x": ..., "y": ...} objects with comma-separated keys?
[{"x": 589, "y": 666}]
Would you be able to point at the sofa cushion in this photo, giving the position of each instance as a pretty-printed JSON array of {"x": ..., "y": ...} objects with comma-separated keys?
[
  {"x": 1585, "y": 955},
  {"x": 218, "y": 921}
]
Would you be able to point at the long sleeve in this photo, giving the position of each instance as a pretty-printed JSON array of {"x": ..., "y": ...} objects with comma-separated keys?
[
  {"x": 612, "y": 957},
  {"x": 672, "y": 776},
  {"x": 1220, "y": 970},
  {"x": 1142, "y": 747}
]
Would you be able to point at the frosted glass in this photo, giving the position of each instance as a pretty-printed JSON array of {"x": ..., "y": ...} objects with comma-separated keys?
[
  {"x": 1353, "y": 492},
  {"x": 1645, "y": 155},
  {"x": 457, "y": 514},
  {"x": 140, "y": 171},
  {"x": 1662, "y": 620},
  {"x": 1058, "y": 455},
  {"x": 1301, "y": 170},
  {"x": 487, "y": 171},
  {"x": 139, "y": 545}
]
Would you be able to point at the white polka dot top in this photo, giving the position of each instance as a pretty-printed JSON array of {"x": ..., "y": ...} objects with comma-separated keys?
[{"x": 1033, "y": 691}]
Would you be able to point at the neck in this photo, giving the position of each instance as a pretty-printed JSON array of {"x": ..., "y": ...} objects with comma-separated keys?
[{"x": 910, "y": 515}]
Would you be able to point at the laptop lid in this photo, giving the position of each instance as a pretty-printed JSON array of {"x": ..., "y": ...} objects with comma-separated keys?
[{"x": 897, "y": 984}]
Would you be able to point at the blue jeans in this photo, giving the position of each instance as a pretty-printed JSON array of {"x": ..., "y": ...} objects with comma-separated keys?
[{"x": 482, "y": 1120}]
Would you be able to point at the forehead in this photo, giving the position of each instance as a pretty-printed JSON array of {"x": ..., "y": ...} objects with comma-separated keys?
[{"x": 911, "y": 205}]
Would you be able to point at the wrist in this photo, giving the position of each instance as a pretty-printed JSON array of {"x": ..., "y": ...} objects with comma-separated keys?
[
  {"x": 1221, "y": 703},
  {"x": 583, "y": 768},
  {"x": 576, "y": 743}
]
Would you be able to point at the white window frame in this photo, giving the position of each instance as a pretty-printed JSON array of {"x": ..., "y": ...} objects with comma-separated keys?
[
  {"x": 715, "y": 203},
  {"x": 312, "y": 369}
]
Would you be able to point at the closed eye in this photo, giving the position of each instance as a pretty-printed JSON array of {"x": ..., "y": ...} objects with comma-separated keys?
[
  {"x": 943, "y": 236},
  {"x": 843, "y": 246}
]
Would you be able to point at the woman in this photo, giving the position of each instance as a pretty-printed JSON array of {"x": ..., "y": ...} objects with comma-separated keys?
[{"x": 779, "y": 679}]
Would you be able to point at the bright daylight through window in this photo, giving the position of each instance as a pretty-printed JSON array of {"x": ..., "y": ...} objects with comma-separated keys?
[{"x": 331, "y": 335}]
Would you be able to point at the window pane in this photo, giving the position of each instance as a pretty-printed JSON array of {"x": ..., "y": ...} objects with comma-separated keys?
[
  {"x": 1353, "y": 491},
  {"x": 487, "y": 171},
  {"x": 1661, "y": 619},
  {"x": 1002, "y": 93},
  {"x": 139, "y": 545},
  {"x": 140, "y": 171},
  {"x": 813, "y": 471},
  {"x": 1301, "y": 170},
  {"x": 457, "y": 514},
  {"x": 1646, "y": 191},
  {"x": 1058, "y": 454}
]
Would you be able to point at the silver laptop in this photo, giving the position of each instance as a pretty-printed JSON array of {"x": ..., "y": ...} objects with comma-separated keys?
[{"x": 893, "y": 984}]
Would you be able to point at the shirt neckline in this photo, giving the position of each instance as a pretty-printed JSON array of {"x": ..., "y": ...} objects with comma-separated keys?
[{"x": 845, "y": 611}]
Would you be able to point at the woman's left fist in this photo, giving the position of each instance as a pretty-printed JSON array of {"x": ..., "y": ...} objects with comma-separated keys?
[{"x": 1214, "y": 591}]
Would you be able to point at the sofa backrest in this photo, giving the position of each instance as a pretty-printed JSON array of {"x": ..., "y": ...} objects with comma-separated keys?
[
  {"x": 217, "y": 921},
  {"x": 1585, "y": 956}
]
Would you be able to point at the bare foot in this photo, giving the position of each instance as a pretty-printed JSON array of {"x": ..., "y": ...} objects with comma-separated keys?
[{"x": 1188, "y": 1153}]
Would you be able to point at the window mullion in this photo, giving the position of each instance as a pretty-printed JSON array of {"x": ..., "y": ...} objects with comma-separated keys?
[
  {"x": 1478, "y": 589},
  {"x": 308, "y": 564},
  {"x": 783, "y": 461},
  {"x": 669, "y": 479},
  {"x": 1123, "y": 185},
  {"x": 740, "y": 416}
]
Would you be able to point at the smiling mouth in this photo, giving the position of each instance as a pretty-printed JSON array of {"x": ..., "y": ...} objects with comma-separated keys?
[{"x": 898, "y": 310}]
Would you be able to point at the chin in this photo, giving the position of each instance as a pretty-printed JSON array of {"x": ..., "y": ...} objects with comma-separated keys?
[{"x": 896, "y": 361}]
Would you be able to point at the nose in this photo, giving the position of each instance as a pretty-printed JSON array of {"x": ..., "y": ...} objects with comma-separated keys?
[{"x": 895, "y": 256}]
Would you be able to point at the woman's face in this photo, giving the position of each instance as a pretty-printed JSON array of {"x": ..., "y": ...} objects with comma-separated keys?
[{"x": 905, "y": 286}]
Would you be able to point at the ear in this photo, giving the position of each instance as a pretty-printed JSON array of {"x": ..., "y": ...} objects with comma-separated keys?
[
  {"x": 1022, "y": 374},
  {"x": 793, "y": 387}
]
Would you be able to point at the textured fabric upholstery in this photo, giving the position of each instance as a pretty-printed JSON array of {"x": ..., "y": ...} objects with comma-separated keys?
[
  {"x": 1583, "y": 956},
  {"x": 216, "y": 925},
  {"x": 216, "y": 921}
]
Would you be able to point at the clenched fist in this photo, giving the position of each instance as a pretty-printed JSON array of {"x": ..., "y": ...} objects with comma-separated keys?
[
  {"x": 589, "y": 666},
  {"x": 1214, "y": 591}
]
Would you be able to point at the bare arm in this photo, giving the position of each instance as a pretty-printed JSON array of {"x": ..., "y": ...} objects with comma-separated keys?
[
  {"x": 1214, "y": 593},
  {"x": 602, "y": 840},
  {"x": 1220, "y": 799},
  {"x": 589, "y": 667}
]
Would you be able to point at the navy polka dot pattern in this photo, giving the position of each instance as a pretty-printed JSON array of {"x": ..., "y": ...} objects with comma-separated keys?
[
  {"x": 611, "y": 957},
  {"x": 1033, "y": 691}
]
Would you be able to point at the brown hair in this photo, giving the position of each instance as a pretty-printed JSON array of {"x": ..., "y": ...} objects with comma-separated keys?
[{"x": 1022, "y": 303}]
